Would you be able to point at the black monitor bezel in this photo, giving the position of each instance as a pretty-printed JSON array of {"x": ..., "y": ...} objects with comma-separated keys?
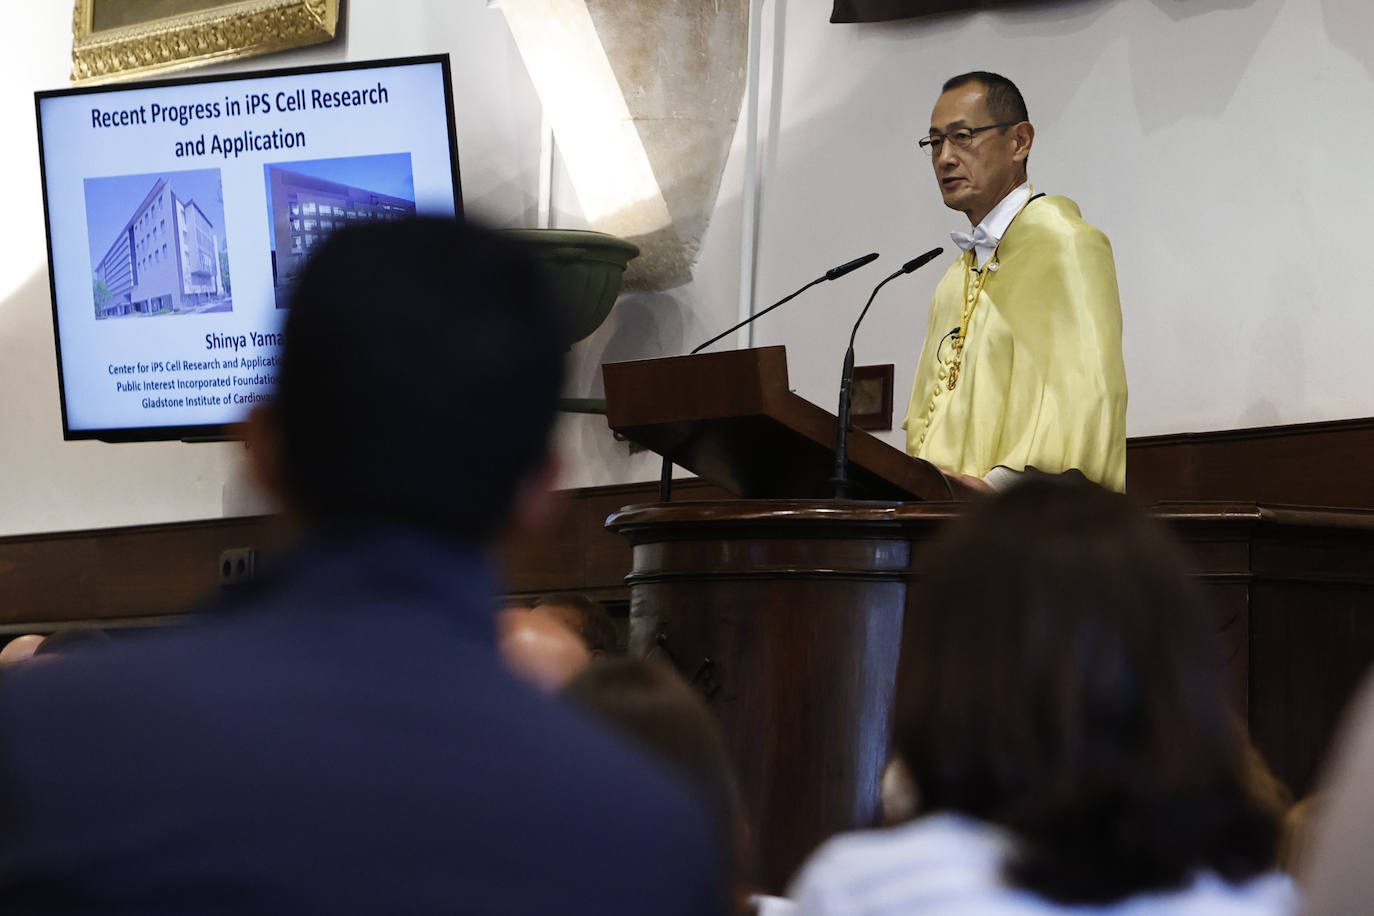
[{"x": 211, "y": 432}]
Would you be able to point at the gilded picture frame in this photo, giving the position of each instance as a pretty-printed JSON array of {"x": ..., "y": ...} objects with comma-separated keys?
[{"x": 116, "y": 43}]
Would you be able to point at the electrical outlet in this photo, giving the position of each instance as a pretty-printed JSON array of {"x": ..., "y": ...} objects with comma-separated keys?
[{"x": 236, "y": 566}]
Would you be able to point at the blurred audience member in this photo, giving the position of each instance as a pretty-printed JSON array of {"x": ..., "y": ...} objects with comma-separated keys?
[
  {"x": 339, "y": 736},
  {"x": 67, "y": 639},
  {"x": 1299, "y": 824},
  {"x": 1065, "y": 720},
  {"x": 896, "y": 794},
  {"x": 1261, "y": 781},
  {"x": 586, "y": 617},
  {"x": 19, "y": 649},
  {"x": 649, "y": 703},
  {"x": 1337, "y": 862},
  {"x": 60, "y": 642},
  {"x": 539, "y": 649}
]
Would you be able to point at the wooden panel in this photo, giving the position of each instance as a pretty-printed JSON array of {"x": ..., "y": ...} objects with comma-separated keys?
[
  {"x": 1309, "y": 464},
  {"x": 1320, "y": 464},
  {"x": 550, "y": 560},
  {"x": 577, "y": 552},
  {"x": 159, "y": 569},
  {"x": 121, "y": 574},
  {"x": 1311, "y": 644}
]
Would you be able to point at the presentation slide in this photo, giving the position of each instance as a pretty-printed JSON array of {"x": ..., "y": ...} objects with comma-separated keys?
[{"x": 181, "y": 213}]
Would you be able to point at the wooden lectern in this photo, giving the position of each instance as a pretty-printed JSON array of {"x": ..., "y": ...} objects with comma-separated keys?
[
  {"x": 731, "y": 419},
  {"x": 783, "y": 608},
  {"x": 786, "y": 611}
]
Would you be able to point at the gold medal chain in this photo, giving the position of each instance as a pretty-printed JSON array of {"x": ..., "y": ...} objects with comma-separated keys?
[
  {"x": 971, "y": 299},
  {"x": 966, "y": 315}
]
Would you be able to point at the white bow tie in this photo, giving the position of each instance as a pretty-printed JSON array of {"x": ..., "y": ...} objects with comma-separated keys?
[{"x": 979, "y": 239}]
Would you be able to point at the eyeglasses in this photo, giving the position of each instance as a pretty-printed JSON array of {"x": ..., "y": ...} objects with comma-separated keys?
[{"x": 962, "y": 138}]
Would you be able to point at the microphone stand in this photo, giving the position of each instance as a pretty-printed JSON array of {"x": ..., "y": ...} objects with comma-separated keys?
[
  {"x": 757, "y": 315},
  {"x": 841, "y": 479}
]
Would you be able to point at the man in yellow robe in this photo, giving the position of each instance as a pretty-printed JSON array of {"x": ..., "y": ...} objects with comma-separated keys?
[{"x": 1022, "y": 363}]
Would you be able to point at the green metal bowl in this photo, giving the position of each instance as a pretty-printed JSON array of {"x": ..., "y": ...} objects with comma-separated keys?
[{"x": 588, "y": 268}]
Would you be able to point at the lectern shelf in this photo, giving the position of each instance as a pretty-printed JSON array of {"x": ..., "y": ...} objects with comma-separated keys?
[{"x": 731, "y": 419}]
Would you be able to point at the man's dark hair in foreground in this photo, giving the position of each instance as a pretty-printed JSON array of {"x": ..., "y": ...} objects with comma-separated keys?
[
  {"x": 340, "y": 736},
  {"x": 419, "y": 381}
]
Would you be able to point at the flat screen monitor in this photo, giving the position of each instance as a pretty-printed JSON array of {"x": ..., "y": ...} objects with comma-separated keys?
[{"x": 179, "y": 213}]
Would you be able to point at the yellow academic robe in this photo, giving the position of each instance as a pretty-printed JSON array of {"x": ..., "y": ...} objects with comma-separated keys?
[{"x": 1042, "y": 383}]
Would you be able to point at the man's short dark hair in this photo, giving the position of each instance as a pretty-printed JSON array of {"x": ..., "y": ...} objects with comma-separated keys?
[
  {"x": 595, "y": 626},
  {"x": 419, "y": 377},
  {"x": 1005, "y": 103},
  {"x": 1066, "y": 682}
]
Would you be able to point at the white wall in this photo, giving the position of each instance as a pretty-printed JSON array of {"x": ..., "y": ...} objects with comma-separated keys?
[
  {"x": 48, "y": 484},
  {"x": 647, "y": 325},
  {"x": 1223, "y": 146}
]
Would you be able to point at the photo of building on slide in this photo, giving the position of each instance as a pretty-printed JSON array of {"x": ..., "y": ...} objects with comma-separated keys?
[
  {"x": 308, "y": 200},
  {"x": 157, "y": 244}
]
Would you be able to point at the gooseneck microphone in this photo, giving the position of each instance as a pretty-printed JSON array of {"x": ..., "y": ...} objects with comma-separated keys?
[
  {"x": 841, "y": 478},
  {"x": 835, "y": 273},
  {"x": 665, "y": 480}
]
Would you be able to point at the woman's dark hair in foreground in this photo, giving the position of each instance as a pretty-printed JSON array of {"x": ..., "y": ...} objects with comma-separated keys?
[
  {"x": 1062, "y": 677},
  {"x": 654, "y": 707}
]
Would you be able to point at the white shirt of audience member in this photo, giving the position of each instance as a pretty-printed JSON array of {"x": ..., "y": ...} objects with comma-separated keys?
[
  {"x": 765, "y": 905},
  {"x": 949, "y": 865},
  {"x": 1337, "y": 873}
]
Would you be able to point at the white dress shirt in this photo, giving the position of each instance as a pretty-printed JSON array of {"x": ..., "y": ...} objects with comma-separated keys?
[
  {"x": 988, "y": 234},
  {"x": 949, "y": 865}
]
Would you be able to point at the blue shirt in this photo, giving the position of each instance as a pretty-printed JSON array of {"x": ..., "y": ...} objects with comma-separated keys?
[{"x": 338, "y": 737}]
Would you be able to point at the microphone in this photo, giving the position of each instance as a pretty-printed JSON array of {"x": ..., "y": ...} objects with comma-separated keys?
[
  {"x": 665, "y": 480},
  {"x": 835, "y": 273},
  {"x": 917, "y": 263},
  {"x": 841, "y": 478}
]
